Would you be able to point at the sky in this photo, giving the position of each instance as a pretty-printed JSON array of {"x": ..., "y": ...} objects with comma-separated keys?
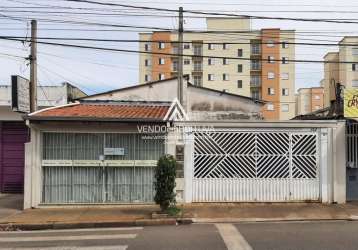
[{"x": 94, "y": 71}]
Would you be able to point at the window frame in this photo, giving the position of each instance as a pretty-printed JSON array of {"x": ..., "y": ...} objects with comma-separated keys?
[
  {"x": 285, "y": 105},
  {"x": 160, "y": 61},
  {"x": 270, "y": 105},
  {"x": 226, "y": 77},
  {"x": 272, "y": 74},
  {"x": 211, "y": 77},
  {"x": 239, "y": 84},
  {"x": 241, "y": 67},
  {"x": 240, "y": 52},
  {"x": 283, "y": 91},
  {"x": 161, "y": 45}
]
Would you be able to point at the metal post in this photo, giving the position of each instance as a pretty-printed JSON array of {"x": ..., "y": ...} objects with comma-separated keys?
[{"x": 33, "y": 67}]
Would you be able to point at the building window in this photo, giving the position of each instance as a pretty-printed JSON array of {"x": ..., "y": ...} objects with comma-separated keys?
[
  {"x": 355, "y": 51},
  {"x": 255, "y": 48},
  {"x": 211, "y": 61},
  {"x": 255, "y": 80},
  {"x": 161, "y": 76},
  {"x": 198, "y": 49},
  {"x": 317, "y": 97},
  {"x": 271, "y": 59},
  {"x": 255, "y": 65},
  {"x": 186, "y": 61},
  {"x": 198, "y": 66},
  {"x": 186, "y": 46},
  {"x": 284, "y": 60},
  {"x": 239, "y": 84},
  {"x": 175, "y": 65},
  {"x": 270, "y": 44},
  {"x": 355, "y": 83},
  {"x": 225, "y": 61},
  {"x": 211, "y": 46},
  {"x": 285, "y": 92},
  {"x": 239, "y": 68},
  {"x": 211, "y": 77},
  {"x": 147, "y": 62},
  {"x": 270, "y": 91},
  {"x": 354, "y": 67},
  {"x": 270, "y": 107},
  {"x": 161, "y": 61},
  {"x": 147, "y": 78},
  {"x": 225, "y": 46},
  {"x": 285, "y": 45},
  {"x": 161, "y": 45},
  {"x": 225, "y": 77},
  {"x": 197, "y": 80},
  {"x": 285, "y": 107},
  {"x": 240, "y": 52},
  {"x": 271, "y": 75},
  {"x": 284, "y": 76},
  {"x": 146, "y": 47},
  {"x": 255, "y": 94}
]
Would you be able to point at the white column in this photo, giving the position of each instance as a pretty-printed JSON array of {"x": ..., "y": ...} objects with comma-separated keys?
[
  {"x": 339, "y": 162},
  {"x": 325, "y": 167},
  {"x": 27, "y": 175},
  {"x": 188, "y": 167}
]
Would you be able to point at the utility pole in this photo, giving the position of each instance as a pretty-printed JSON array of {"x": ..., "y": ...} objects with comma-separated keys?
[
  {"x": 181, "y": 86},
  {"x": 33, "y": 67}
]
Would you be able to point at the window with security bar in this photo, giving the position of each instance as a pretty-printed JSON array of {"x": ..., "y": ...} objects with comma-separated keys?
[{"x": 99, "y": 167}]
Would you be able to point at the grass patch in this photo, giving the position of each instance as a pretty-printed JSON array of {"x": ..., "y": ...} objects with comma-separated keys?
[{"x": 173, "y": 211}]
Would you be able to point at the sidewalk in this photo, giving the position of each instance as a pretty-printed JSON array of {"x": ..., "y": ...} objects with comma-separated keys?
[
  {"x": 141, "y": 215},
  {"x": 10, "y": 204},
  {"x": 243, "y": 212}
]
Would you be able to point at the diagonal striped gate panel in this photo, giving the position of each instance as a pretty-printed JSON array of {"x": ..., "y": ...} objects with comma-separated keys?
[{"x": 255, "y": 166}]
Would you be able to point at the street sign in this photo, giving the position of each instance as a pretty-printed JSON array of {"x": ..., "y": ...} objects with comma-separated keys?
[
  {"x": 351, "y": 103},
  {"x": 20, "y": 94}
]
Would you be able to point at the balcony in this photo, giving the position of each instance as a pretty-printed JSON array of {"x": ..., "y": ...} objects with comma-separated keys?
[
  {"x": 198, "y": 50},
  {"x": 255, "y": 81},
  {"x": 255, "y": 49},
  {"x": 197, "y": 67},
  {"x": 255, "y": 66},
  {"x": 256, "y": 95}
]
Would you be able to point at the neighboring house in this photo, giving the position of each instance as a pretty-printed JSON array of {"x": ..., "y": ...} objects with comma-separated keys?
[
  {"x": 14, "y": 133},
  {"x": 202, "y": 103},
  {"x": 343, "y": 73},
  {"x": 262, "y": 77},
  {"x": 309, "y": 100}
]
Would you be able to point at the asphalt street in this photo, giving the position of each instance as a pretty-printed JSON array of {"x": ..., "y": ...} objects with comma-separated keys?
[{"x": 287, "y": 235}]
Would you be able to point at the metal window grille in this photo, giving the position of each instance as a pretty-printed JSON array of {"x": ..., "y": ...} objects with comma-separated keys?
[{"x": 78, "y": 175}]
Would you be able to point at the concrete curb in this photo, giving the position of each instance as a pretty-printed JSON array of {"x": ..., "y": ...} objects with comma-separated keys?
[
  {"x": 241, "y": 220},
  {"x": 76, "y": 225}
]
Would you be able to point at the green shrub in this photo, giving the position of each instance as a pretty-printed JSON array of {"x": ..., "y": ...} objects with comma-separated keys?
[{"x": 165, "y": 182}]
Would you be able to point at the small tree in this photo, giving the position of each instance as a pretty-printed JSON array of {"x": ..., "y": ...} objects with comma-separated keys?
[{"x": 165, "y": 181}]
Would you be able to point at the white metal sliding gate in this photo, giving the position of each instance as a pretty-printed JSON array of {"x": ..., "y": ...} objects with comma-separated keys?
[{"x": 250, "y": 166}]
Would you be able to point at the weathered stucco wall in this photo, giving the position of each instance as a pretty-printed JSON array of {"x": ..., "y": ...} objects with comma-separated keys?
[{"x": 202, "y": 103}]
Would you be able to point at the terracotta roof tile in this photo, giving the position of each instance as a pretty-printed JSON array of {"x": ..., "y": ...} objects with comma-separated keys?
[{"x": 106, "y": 111}]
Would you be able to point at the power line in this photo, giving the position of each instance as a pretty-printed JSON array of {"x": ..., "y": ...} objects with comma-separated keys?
[
  {"x": 190, "y": 42},
  {"x": 175, "y": 55},
  {"x": 213, "y": 13}
]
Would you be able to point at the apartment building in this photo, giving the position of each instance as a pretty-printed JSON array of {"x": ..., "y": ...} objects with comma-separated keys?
[
  {"x": 253, "y": 63},
  {"x": 337, "y": 71},
  {"x": 309, "y": 100}
]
